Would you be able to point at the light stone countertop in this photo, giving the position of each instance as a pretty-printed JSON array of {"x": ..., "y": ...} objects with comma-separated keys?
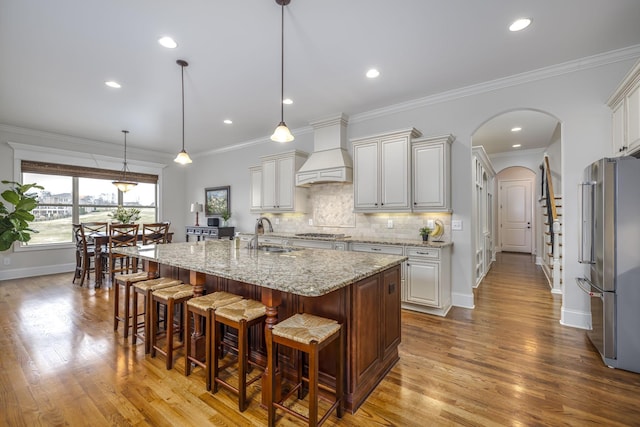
[
  {"x": 360, "y": 239},
  {"x": 306, "y": 272}
]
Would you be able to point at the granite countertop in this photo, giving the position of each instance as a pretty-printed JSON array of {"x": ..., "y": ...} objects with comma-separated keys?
[
  {"x": 372, "y": 240},
  {"x": 306, "y": 272}
]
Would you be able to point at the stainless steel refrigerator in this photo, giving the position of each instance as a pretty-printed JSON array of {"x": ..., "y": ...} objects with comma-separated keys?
[{"x": 610, "y": 251}]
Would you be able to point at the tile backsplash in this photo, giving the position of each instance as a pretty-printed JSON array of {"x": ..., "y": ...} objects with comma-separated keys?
[{"x": 331, "y": 211}]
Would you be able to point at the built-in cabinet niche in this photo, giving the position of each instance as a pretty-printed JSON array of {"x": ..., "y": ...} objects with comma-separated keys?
[
  {"x": 396, "y": 172},
  {"x": 483, "y": 200},
  {"x": 625, "y": 106},
  {"x": 272, "y": 184}
]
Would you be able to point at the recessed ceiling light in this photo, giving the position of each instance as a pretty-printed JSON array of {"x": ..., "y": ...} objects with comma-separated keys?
[
  {"x": 228, "y": 122},
  {"x": 168, "y": 42},
  {"x": 113, "y": 84},
  {"x": 520, "y": 24},
  {"x": 287, "y": 101},
  {"x": 516, "y": 129},
  {"x": 373, "y": 73},
  {"x": 517, "y": 145}
]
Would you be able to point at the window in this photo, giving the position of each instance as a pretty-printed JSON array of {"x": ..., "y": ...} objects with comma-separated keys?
[{"x": 74, "y": 194}]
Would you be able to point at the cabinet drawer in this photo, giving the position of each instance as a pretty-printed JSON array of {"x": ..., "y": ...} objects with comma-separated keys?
[
  {"x": 378, "y": 249},
  {"x": 423, "y": 253},
  {"x": 314, "y": 244}
]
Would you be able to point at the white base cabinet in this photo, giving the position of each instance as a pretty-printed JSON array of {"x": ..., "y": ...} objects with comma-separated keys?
[{"x": 427, "y": 284}]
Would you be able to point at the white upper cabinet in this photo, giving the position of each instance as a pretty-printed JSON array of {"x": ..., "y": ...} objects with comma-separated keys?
[
  {"x": 625, "y": 104},
  {"x": 276, "y": 178},
  {"x": 381, "y": 172},
  {"x": 431, "y": 174}
]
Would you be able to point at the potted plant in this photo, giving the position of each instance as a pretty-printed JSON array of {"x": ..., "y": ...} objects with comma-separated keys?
[
  {"x": 225, "y": 217},
  {"x": 125, "y": 216},
  {"x": 424, "y": 232},
  {"x": 14, "y": 225}
]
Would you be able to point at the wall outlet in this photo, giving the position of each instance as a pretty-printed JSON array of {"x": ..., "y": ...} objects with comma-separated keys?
[
  {"x": 6, "y": 260},
  {"x": 430, "y": 223},
  {"x": 277, "y": 221},
  {"x": 389, "y": 223},
  {"x": 456, "y": 225},
  {"x": 311, "y": 221}
]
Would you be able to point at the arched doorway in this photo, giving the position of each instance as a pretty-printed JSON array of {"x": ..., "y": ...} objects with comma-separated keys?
[{"x": 515, "y": 144}]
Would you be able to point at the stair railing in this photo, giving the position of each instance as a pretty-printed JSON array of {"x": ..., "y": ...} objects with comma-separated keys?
[{"x": 554, "y": 227}]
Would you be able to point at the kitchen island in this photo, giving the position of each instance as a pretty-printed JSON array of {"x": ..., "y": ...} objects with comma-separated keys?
[{"x": 359, "y": 290}]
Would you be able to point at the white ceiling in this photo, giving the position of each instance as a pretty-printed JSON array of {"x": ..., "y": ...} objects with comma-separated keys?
[{"x": 55, "y": 56}]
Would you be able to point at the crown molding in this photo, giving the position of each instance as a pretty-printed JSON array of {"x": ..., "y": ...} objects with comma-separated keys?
[{"x": 624, "y": 54}]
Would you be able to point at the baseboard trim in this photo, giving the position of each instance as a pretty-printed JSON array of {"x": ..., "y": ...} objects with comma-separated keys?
[
  {"x": 575, "y": 318},
  {"x": 462, "y": 300},
  {"x": 20, "y": 273}
]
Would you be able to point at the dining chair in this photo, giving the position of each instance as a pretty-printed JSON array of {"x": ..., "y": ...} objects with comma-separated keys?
[
  {"x": 157, "y": 232},
  {"x": 84, "y": 253},
  {"x": 122, "y": 235}
]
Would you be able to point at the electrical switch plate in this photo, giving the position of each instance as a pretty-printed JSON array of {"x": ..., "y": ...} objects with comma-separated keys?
[
  {"x": 430, "y": 223},
  {"x": 389, "y": 223},
  {"x": 310, "y": 221},
  {"x": 456, "y": 225},
  {"x": 7, "y": 260},
  {"x": 277, "y": 221}
]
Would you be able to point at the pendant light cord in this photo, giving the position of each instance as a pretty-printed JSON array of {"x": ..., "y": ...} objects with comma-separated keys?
[
  {"x": 125, "y": 154},
  {"x": 282, "y": 63},
  {"x": 182, "y": 70}
]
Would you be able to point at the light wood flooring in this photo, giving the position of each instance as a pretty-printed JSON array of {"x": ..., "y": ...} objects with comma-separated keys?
[{"x": 508, "y": 362}]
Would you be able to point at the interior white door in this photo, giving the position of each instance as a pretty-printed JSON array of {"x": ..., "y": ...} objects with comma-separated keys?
[{"x": 515, "y": 215}]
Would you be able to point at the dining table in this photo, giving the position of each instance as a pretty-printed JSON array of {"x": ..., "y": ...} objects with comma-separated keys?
[
  {"x": 101, "y": 241},
  {"x": 359, "y": 290}
]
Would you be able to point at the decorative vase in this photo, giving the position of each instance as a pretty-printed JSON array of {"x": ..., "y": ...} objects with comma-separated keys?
[{"x": 425, "y": 237}]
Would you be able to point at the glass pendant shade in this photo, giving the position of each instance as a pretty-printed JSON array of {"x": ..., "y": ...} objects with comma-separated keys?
[
  {"x": 183, "y": 158},
  {"x": 282, "y": 133},
  {"x": 124, "y": 184}
]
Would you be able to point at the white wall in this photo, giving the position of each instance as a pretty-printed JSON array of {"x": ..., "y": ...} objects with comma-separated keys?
[{"x": 576, "y": 98}]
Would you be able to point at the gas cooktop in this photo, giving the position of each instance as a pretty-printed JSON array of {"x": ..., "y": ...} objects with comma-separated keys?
[{"x": 322, "y": 235}]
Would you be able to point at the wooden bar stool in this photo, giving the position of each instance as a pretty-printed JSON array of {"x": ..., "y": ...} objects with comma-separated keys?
[
  {"x": 125, "y": 280},
  {"x": 202, "y": 307},
  {"x": 145, "y": 288},
  {"x": 173, "y": 298},
  {"x": 240, "y": 315},
  {"x": 309, "y": 334}
]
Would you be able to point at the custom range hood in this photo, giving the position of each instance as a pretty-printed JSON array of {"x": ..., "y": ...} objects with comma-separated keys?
[{"x": 330, "y": 161}]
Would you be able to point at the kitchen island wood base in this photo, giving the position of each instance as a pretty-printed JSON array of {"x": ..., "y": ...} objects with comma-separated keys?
[{"x": 369, "y": 309}]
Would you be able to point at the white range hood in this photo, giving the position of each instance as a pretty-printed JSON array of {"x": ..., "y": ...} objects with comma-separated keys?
[{"x": 330, "y": 160}]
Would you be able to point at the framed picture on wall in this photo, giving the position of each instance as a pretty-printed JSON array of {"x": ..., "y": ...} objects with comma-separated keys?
[{"x": 217, "y": 201}]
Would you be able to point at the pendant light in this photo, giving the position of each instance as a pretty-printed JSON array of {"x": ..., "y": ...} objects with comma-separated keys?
[
  {"x": 182, "y": 157},
  {"x": 282, "y": 132},
  {"x": 124, "y": 184}
]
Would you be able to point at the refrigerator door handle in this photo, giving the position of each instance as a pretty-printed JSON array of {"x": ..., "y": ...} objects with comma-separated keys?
[
  {"x": 585, "y": 236},
  {"x": 585, "y": 285}
]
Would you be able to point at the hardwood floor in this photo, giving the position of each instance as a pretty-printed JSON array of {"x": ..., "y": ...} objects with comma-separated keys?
[{"x": 508, "y": 362}]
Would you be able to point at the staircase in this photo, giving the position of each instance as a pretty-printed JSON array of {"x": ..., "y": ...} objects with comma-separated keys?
[{"x": 551, "y": 206}]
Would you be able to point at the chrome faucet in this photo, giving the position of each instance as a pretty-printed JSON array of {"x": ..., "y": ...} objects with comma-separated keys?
[{"x": 253, "y": 243}]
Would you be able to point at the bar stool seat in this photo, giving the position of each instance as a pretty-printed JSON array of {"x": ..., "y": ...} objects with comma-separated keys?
[
  {"x": 125, "y": 280},
  {"x": 201, "y": 307},
  {"x": 145, "y": 288},
  {"x": 240, "y": 315},
  {"x": 310, "y": 334},
  {"x": 173, "y": 297}
]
